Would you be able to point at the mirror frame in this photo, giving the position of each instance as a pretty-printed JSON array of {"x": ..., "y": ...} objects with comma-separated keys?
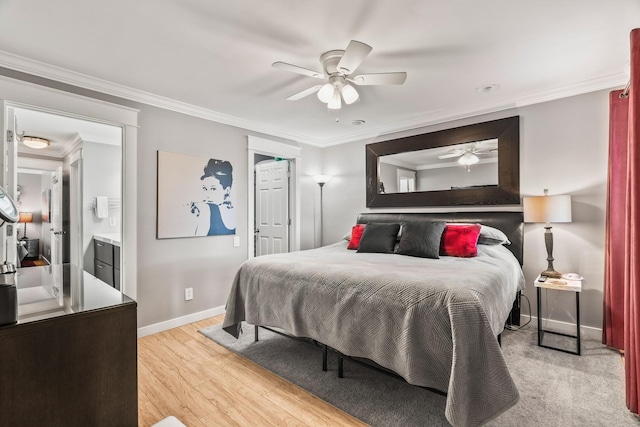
[{"x": 507, "y": 192}]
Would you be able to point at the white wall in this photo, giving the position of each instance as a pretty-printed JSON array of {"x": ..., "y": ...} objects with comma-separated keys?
[
  {"x": 101, "y": 176},
  {"x": 563, "y": 147}
]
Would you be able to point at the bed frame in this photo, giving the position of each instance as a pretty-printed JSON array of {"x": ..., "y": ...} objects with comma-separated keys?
[{"x": 510, "y": 223}]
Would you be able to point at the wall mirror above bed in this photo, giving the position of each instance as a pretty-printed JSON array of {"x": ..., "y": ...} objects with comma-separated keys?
[{"x": 470, "y": 165}]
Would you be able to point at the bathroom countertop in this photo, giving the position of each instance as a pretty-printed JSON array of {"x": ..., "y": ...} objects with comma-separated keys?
[{"x": 112, "y": 238}]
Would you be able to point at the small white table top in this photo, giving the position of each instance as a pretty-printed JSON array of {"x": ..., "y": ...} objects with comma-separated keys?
[{"x": 559, "y": 284}]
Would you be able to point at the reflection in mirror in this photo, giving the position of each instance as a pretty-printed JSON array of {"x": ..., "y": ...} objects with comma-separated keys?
[
  {"x": 476, "y": 164},
  {"x": 469, "y": 165}
]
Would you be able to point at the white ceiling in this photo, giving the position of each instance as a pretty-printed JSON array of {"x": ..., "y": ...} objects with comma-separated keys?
[
  {"x": 62, "y": 132},
  {"x": 213, "y": 58}
]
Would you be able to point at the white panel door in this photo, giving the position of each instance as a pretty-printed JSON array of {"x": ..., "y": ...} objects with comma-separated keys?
[
  {"x": 56, "y": 230},
  {"x": 272, "y": 207}
]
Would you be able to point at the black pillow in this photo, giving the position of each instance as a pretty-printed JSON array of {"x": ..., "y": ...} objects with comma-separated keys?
[
  {"x": 421, "y": 239},
  {"x": 379, "y": 237}
]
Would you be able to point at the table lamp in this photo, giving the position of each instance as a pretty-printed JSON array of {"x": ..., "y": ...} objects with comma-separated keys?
[
  {"x": 548, "y": 209},
  {"x": 25, "y": 217}
]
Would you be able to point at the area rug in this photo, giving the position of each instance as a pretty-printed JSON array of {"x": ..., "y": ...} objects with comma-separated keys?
[{"x": 556, "y": 389}]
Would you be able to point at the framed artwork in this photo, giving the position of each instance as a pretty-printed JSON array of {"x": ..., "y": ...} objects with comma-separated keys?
[{"x": 195, "y": 196}]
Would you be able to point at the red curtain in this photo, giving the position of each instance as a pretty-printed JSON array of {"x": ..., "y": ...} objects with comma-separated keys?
[
  {"x": 613, "y": 320},
  {"x": 622, "y": 262},
  {"x": 632, "y": 238}
]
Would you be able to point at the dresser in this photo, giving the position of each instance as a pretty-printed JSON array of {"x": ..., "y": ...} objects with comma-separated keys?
[{"x": 73, "y": 365}]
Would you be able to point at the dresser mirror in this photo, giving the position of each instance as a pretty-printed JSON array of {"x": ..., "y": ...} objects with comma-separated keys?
[{"x": 470, "y": 165}]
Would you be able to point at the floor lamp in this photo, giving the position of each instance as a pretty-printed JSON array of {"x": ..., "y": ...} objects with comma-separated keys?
[
  {"x": 548, "y": 209},
  {"x": 321, "y": 180}
]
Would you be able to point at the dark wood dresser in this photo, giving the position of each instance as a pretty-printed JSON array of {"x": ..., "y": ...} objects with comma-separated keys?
[{"x": 75, "y": 365}]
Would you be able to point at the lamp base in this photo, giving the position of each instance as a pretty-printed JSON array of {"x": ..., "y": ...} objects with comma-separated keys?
[{"x": 551, "y": 274}]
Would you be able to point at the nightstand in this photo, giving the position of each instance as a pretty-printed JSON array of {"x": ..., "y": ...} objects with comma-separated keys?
[
  {"x": 560, "y": 285},
  {"x": 32, "y": 246}
]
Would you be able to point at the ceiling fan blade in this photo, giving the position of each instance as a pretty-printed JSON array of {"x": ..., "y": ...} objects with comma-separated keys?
[
  {"x": 304, "y": 93},
  {"x": 296, "y": 69},
  {"x": 484, "y": 151},
  {"x": 450, "y": 155},
  {"x": 353, "y": 57},
  {"x": 380, "y": 79}
]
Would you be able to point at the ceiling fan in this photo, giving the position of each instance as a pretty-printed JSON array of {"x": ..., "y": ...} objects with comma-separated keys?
[
  {"x": 339, "y": 67},
  {"x": 469, "y": 155}
]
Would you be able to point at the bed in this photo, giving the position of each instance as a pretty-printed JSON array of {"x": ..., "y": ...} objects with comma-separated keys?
[{"x": 435, "y": 322}]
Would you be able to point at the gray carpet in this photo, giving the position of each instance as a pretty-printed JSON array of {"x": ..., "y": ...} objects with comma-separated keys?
[{"x": 556, "y": 389}]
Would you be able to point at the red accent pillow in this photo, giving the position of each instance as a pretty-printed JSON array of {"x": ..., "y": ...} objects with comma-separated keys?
[
  {"x": 460, "y": 240},
  {"x": 356, "y": 235}
]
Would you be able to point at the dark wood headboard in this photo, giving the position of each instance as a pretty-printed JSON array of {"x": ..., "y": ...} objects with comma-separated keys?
[{"x": 510, "y": 223}]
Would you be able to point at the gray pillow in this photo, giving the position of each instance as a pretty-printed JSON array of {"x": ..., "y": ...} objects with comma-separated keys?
[
  {"x": 492, "y": 236},
  {"x": 421, "y": 239},
  {"x": 379, "y": 237}
]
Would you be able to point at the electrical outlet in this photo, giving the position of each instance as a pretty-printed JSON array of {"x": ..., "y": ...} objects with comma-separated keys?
[
  {"x": 188, "y": 294},
  {"x": 236, "y": 240},
  {"x": 112, "y": 221}
]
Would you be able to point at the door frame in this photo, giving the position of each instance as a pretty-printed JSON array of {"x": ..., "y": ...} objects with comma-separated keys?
[
  {"x": 16, "y": 93},
  {"x": 268, "y": 147}
]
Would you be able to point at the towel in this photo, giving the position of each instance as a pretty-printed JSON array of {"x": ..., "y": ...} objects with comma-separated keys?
[{"x": 102, "y": 207}]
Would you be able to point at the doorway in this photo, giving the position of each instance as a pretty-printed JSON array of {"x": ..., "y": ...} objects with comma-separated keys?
[
  {"x": 272, "y": 220},
  {"x": 21, "y": 95},
  {"x": 65, "y": 223},
  {"x": 267, "y": 151}
]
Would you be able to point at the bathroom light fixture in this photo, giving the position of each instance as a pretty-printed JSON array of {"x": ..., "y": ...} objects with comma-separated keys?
[{"x": 35, "y": 142}]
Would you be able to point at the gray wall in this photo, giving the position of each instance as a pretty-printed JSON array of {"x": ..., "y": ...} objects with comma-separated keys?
[
  {"x": 207, "y": 264},
  {"x": 563, "y": 147}
]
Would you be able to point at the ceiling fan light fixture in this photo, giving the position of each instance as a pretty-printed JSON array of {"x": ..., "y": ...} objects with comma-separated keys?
[
  {"x": 35, "y": 142},
  {"x": 336, "y": 101},
  {"x": 325, "y": 94},
  {"x": 468, "y": 158},
  {"x": 349, "y": 94}
]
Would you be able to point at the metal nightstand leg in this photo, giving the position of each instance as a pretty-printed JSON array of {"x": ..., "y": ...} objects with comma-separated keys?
[
  {"x": 539, "y": 297},
  {"x": 578, "y": 322},
  {"x": 542, "y": 331}
]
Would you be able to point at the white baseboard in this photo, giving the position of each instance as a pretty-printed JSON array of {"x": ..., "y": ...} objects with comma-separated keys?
[
  {"x": 564, "y": 327},
  {"x": 179, "y": 321}
]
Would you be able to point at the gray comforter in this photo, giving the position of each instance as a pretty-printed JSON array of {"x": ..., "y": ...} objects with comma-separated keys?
[{"x": 434, "y": 322}]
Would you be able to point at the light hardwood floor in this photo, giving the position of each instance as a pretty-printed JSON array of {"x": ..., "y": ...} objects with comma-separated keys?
[{"x": 184, "y": 374}]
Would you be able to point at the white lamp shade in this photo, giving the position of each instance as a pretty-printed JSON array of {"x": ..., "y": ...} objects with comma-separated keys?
[
  {"x": 349, "y": 94},
  {"x": 336, "y": 101},
  {"x": 547, "y": 209},
  {"x": 326, "y": 93},
  {"x": 322, "y": 179}
]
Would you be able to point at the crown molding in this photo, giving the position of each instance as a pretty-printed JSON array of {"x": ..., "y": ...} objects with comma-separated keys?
[{"x": 41, "y": 69}]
